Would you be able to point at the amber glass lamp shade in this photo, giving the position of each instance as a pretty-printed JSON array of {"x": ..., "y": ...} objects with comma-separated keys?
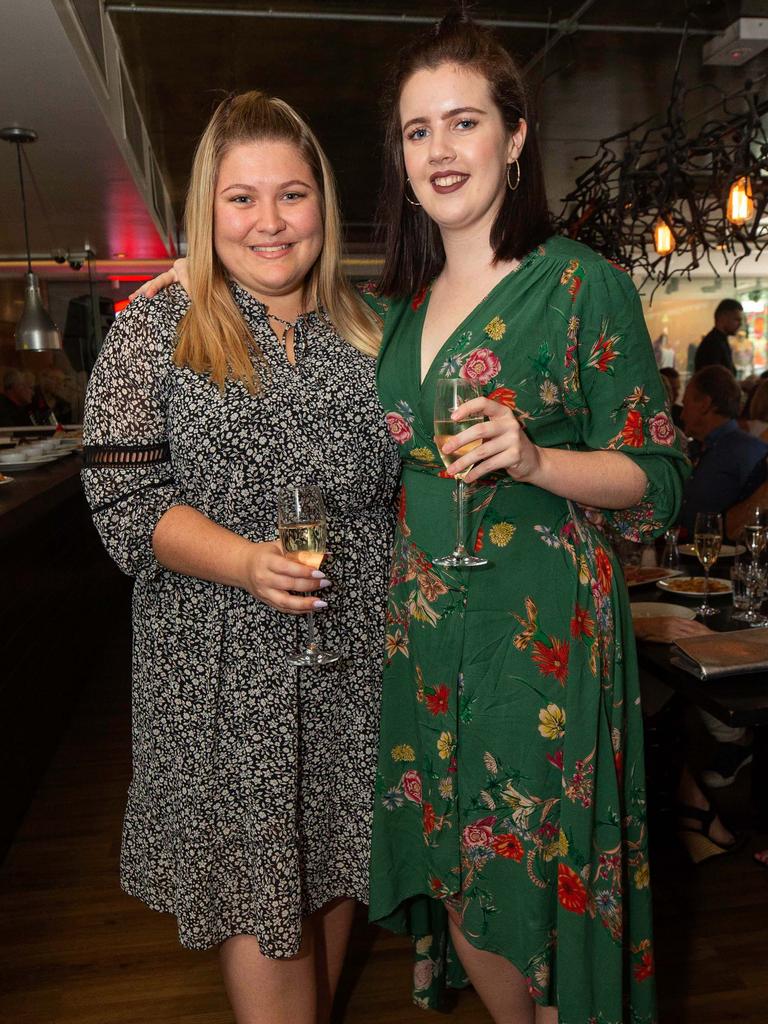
[
  {"x": 663, "y": 238},
  {"x": 741, "y": 205}
]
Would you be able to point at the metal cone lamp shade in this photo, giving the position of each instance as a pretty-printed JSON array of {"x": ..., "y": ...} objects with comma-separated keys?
[{"x": 35, "y": 331}]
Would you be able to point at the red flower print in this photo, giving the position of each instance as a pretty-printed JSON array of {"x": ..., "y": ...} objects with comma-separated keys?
[
  {"x": 428, "y": 812},
  {"x": 479, "y": 539},
  {"x": 603, "y": 353},
  {"x": 452, "y": 765},
  {"x": 479, "y": 834},
  {"x": 504, "y": 396},
  {"x": 401, "y": 505},
  {"x": 480, "y": 366},
  {"x": 419, "y": 297},
  {"x": 437, "y": 701},
  {"x": 509, "y": 846},
  {"x": 399, "y": 428},
  {"x": 632, "y": 433},
  {"x": 604, "y": 570},
  {"x": 661, "y": 429},
  {"x": 573, "y": 288},
  {"x": 618, "y": 760},
  {"x": 556, "y": 760},
  {"x": 552, "y": 661},
  {"x": 435, "y": 885},
  {"x": 582, "y": 623},
  {"x": 645, "y": 969},
  {"x": 411, "y": 783},
  {"x": 570, "y": 890}
]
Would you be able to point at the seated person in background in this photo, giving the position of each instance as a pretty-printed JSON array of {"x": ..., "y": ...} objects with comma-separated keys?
[
  {"x": 757, "y": 424},
  {"x": 730, "y": 463},
  {"x": 16, "y": 400},
  {"x": 673, "y": 378},
  {"x": 715, "y": 349}
]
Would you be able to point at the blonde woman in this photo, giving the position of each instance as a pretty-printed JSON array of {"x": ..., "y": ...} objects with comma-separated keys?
[{"x": 249, "y": 811}]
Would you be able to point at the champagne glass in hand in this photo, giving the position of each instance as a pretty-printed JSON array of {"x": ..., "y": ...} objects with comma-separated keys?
[
  {"x": 301, "y": 522},
  {"x": 707, "y": 538},
  {"x": 449, "y": 395}
]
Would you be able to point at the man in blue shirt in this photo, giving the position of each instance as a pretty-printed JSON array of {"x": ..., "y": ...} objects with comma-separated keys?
[{"x": 730, "y": 463}]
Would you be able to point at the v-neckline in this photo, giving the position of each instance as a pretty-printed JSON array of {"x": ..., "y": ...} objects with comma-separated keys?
[{"x": 459, "y": 327}]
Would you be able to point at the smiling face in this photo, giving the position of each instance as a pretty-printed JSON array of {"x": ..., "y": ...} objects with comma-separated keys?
[
  {"x": 456, "y": 146},
  {"x": 267, "y": 219}
]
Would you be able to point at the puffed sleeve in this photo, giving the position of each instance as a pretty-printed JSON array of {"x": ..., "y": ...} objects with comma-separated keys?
[
  {"x": 625, "y": 404},
  {"x": 128, "y": 476}
]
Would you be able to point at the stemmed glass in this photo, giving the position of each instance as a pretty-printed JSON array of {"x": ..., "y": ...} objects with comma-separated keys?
[
  {"x": 754, "y": 569},
  {"x": 449, "y": 395},
  {"x": 707, "y": 538},
  {"x": 302, "y": 524}
]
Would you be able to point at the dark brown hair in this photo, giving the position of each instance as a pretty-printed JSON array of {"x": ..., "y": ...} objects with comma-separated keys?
[
  {"x": 718, "y": 384},
  {"x": 414, "y": 252}
]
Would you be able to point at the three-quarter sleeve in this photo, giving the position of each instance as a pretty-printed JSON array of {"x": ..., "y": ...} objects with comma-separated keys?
[
  {"x": 625, "y": 404},
  {"x": 128, "y": 476}
]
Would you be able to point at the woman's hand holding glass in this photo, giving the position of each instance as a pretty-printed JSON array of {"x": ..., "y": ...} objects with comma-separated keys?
[
  {"x": 269, "y": 576},
  {"x": 504, "y": 445}
]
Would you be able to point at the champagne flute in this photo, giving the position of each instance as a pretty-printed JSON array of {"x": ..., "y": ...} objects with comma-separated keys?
[
  {"x": 449, "y": 395},
  {"x": 707, "y": 538},
  {"x": 303, "y": 529}
]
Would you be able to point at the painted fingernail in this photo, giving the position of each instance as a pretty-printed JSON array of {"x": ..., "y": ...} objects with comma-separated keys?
[
  {"x": 319, "y": 604},
  {"x": 324, "y": 583},
  {"x": 318, "y": 574}
]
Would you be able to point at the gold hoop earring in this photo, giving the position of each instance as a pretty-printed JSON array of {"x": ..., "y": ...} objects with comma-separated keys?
[
  {"x": 405, "y": 191},
  {"x": 516, "y": 186}
]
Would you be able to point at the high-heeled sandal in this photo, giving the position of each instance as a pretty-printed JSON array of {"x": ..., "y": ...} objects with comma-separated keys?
[{"x": 698, "y": 843}]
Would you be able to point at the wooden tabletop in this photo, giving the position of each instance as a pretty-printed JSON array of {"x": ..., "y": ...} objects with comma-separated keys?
[{"x": 33, "y": 492}]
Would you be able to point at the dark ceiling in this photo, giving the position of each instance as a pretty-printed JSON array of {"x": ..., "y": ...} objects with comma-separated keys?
[{"x": 332, "y": 71}]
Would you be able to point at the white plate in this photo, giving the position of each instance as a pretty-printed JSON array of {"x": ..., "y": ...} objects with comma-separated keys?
[
  {"x": 682, "y": 585},
  {"x": 654, "y": 609},
  {"x": 726, "y": 550},
  {"x": 5, "y": 480},
  {"x": 32, "y": 463}
]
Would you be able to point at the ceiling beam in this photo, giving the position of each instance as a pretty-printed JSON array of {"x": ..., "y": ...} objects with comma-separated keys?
[{"x": 564, "y": 27}]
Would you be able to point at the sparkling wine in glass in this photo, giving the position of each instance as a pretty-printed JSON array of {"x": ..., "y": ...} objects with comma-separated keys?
[
  {"x": 449, "y": 395},
  {"x": 303, "y": 529},
  {"x": 707, "y": 539}
]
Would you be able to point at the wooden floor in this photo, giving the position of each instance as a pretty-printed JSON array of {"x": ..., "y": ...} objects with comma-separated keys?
[{"x": 75, "y": 950}]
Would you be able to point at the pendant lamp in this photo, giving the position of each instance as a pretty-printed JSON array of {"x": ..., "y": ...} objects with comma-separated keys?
[{"x": 35, "y": 331}]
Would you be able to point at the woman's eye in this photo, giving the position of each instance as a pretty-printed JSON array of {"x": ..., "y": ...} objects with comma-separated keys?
[
  {"x": 417, "y": 134},
  {"x": 293, "y": 195},
  {"x": 240, "y": 200},
  {"x": 466, "y": 122}
]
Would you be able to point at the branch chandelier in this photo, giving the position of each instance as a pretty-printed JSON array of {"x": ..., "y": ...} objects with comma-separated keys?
[{"x": 663, "y": 198}]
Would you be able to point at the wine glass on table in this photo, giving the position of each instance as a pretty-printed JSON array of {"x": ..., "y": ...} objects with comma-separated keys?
[
  {"x": 449, "y": 395},
  {"x": 755, "y": 570},
  {"x": 303, "y": 529},
  {"x": 707, "y": 539}
]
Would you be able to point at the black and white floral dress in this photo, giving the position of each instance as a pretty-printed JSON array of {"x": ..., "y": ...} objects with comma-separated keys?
[{"x": 250, "y": 803}]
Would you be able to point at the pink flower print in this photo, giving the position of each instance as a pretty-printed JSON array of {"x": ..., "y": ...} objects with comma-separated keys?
[
  {"x": 479, "y": 834},
  {"x": 480, "y": 366},
  {"x": 399, "y": 428},
  {"x": 411, "y": 784},
  {"x": 661, "y": 429}
]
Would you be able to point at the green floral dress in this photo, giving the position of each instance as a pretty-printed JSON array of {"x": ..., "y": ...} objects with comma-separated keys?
[{"x": 511, "y": 779}]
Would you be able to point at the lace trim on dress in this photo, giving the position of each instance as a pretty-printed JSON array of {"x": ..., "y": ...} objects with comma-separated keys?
[{"x": 118, "y": 455}]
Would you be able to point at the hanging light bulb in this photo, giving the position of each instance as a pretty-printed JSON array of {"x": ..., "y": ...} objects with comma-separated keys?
[
  {"x": 35, "y": 331},
  {"x": 741, "y": 206},
  {"x": 663, "y": 238}
]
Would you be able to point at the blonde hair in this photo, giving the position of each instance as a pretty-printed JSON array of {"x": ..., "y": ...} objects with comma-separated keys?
[{"x": 213, "y": 336}]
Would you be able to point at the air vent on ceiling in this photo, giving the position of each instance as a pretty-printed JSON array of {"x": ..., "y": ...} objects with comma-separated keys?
[{"x": 89, "y": 15}]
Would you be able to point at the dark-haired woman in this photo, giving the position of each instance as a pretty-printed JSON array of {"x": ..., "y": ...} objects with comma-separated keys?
[{"x": 510, "y": 810}]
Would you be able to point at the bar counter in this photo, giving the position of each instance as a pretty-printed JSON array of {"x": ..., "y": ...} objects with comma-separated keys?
[{"x": 59, "y": 597}]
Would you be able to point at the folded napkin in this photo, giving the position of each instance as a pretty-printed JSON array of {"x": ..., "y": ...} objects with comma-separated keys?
[{"x": 723, "y": 654}]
